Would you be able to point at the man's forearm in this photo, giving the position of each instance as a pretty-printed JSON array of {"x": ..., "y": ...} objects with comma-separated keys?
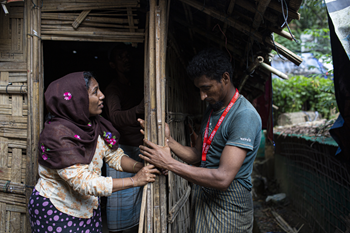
[
  {"x": 210, "y": 178},
  {"x": 188, "y": 154}
]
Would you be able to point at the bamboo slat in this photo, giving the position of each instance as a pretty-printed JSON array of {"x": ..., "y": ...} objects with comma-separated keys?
[
  {"x": 178, "y": 205},
  {"x": 67, "y": 6},
  {"x": 12, "y": 187},
  {"x": 72, "y": 17},
  {"x": 96, "y": 34},
  {"x": 13, "y": 66},
  {"x": 57, "y": 23},
  {"x": 80, "y": 19},
  {"x": 3, "y": 216},
  {"x": 100, "y": 39}
]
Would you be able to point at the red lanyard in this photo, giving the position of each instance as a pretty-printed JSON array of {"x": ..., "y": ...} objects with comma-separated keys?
[{"x": 207, "y": 141}]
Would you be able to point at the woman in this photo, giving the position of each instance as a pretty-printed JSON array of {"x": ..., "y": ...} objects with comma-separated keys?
[{"x": 71, "y": 148}]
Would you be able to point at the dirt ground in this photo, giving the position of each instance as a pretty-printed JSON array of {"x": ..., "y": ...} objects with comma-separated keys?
[{"x": 267, "y": 214}]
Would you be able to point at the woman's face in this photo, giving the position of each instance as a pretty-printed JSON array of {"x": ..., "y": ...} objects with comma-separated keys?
[{"x": 95, "y": 98}]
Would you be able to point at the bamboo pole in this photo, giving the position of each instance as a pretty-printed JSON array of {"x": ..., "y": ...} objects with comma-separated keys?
[
  {"x": 147, "y": 120},
  {"x": 34, "y": 92},
  {"x": 162, "y": 52},
  {"x": 273, "y": 70},
  {"x": 10, "y": 89},
  {"x": 156, "y": 93},
  {"x": 153, "y": 137}
]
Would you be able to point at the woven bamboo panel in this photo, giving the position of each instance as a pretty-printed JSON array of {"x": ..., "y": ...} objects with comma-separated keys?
[
  {"x": 107, "y": 21},
  {"x": 13, "y": 141},
  {"x": 180, "y": 102},
  {"x": 11, "y": 33},
  {"x": 13, "y": 121}
]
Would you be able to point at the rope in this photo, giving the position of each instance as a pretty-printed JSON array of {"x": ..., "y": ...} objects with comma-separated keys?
[{"x": 7, "y": 87}]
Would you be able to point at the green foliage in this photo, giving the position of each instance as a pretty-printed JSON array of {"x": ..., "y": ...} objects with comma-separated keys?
[
  {"x": 300, "y": 93},
  {"x": 314, "y": 22}
]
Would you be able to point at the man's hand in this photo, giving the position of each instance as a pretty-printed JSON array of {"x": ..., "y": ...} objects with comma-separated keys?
[{"x": 160, "y": 156}]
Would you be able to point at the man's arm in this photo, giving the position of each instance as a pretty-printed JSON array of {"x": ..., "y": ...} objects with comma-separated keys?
[
  {"x": 190, "y": 155},
  {"x": 230, "y": 162},
  {"x": 120, "y": 117}
]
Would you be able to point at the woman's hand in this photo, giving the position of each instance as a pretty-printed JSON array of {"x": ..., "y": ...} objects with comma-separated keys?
[{"x": 146, "y": 175}]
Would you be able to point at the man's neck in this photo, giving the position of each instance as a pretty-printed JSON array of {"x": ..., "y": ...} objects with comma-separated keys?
[
  {"x": 229, "y": 96},
  {"x": 122, "y": 78}
]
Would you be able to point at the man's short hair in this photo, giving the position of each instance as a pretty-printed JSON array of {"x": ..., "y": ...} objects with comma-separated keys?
[{"x": 210, "y": 62}]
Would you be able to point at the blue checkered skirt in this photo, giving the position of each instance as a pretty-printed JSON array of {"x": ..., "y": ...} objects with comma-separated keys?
[{"x": 123, "y": 207}]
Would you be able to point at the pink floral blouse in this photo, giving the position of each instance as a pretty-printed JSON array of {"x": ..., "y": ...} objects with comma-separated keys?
[{"x": 74, "y": 190}]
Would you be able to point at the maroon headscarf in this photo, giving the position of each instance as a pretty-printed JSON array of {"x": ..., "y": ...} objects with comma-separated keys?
[{"x": 71, "y": 136}]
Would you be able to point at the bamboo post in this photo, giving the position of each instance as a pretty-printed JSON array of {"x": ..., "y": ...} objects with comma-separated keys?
[
  {"x": 158, "y": 122},
  {"x": 147, "y": 120},
  {"x": 163, "y": 46},
  {"x": 34, "y": 93},
  {"x": 153, "y": 133}
]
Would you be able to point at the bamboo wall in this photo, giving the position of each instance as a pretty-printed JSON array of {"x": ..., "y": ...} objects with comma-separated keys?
[{"x": 14, "y": 169}]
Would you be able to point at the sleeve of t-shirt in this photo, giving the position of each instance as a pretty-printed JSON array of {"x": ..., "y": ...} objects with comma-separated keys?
[{"x": 244, "y": 128}]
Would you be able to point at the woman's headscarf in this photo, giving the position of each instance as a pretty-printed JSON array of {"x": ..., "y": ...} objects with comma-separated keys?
[{"x": 71, "y": 136}]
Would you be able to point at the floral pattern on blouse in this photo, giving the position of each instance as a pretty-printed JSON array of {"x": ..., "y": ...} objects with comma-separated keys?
[
  {"x": 74, "y": 190},
  {"x": 109, "y": 138}
]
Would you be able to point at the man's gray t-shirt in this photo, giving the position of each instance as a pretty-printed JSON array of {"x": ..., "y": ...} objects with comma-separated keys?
[{"x": 241, "y": 128}]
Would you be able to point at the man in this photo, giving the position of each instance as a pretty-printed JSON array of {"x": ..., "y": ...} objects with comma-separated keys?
[
  {"x": 223, "y": 202},
  {"x": 124, "y": 104}
]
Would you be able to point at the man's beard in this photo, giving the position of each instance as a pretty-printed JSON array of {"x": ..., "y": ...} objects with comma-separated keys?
[{"x": 217, "y": 106}]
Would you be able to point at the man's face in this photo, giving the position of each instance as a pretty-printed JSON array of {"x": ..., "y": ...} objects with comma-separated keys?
[
  {"x": 211, "y": 91},
  {"x": 122, "y": 61}
]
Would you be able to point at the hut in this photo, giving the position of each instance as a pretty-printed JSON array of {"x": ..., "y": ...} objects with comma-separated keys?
[{"x": 34, "y": 33}]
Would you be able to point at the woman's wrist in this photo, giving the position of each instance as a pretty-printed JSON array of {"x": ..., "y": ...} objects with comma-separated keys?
[{"x": 137, "y": 167}]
